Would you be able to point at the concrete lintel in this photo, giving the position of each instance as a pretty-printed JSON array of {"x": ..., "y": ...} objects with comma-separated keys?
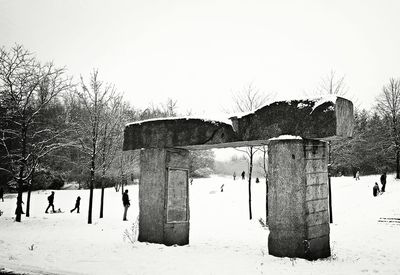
[{"x": 305, "y": 118}]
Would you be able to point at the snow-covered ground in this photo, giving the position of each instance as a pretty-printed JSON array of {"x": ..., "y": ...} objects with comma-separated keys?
[{"x": 222, "y": 239}]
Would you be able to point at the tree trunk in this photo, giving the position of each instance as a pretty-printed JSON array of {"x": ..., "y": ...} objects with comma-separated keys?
[
  {"x": 329, "y": 182},
  {"x": 266, "y": 183},
  {"x": 398, "y": 165},
  {"x": 122, "y": 185},
  {"x": 92, "y": 182},
  {"x": 102, "y": 202},
  {"x": 18, "y": 210},
  {"x": 250, "y": 171},
  {"x": 266, "y": 200},
  {"x": 90, "y": 202},
  {"x": 28, "y": 199},
  {"x": 103, "y": 171}
]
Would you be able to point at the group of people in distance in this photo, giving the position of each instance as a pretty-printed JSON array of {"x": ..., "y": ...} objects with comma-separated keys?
[
  {"x": 375, "y": 190},
  {"x": 243, "y": 174},
  {"x": 125, "y": 201}
]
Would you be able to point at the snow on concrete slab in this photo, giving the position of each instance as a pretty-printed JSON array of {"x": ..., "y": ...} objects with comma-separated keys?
[
  {"x": 301, "y": 103},
  {"x": 285, "y": 137},
  {"x": 210, "y": 118},
  {"x": 222, "y": 238}
]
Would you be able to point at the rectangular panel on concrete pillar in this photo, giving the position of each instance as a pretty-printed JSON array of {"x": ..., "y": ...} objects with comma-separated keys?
[
  {"x": 177, "y": 195},
  {"x": 176, "y": 227}
]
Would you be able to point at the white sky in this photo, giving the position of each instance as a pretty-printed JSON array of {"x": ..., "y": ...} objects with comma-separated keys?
[{"x": 199, "y": 52}]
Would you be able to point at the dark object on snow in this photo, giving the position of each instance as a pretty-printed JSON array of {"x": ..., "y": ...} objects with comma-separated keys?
[
  {"x": 358, "y": 175},
  {"x": 257, "y": 180},
  {"x": 222, "y": 188},
  {"x": 243, "y": 175},
  {"x": 383, "y": 181},
  {"x": 375, "y": 189},
  {"x": 354, "y": 172},
  {"x": 51, "y": 201},
  {"x": 126, "y": 203},
  {"x": 234, "y": 175},
  {"x": 77, "y": 204},
  {"x": 19, "y": 210},
  {"x": 1, "y": 193}
]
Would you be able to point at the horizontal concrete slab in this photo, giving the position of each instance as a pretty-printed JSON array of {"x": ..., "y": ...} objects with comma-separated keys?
[{"x": 310, "y": 119}]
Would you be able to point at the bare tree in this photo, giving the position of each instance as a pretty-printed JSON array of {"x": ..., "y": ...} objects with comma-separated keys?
[
  {"x": 111, "y": 139},
  {"x": 169, "y": 109},
  {"x": 27, "y": 87},
  {"x": 92, "y": 119},
  {"x": 388, "y": 105},
  {"x": 333, "y": 84},
  {"x": 264, "y": 166},
  {"x": 250, "y": 99}
]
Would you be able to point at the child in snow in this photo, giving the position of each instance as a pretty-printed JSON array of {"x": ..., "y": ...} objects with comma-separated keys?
[
  {"x": 222, "y": 188},
  {"x": 234, "y": 175},
  {"x": 358, "y": 175},
  {"x": 77, "y": 204},
  {"x": 375, "y": 189}
]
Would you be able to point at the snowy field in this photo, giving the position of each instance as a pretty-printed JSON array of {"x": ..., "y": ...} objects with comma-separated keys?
[{"x": 222, "y": 239}]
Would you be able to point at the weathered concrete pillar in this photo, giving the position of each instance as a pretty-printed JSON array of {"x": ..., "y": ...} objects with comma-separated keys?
[
  {"x": 164, "y": 196},
  {"x": 298, "y": 199}
]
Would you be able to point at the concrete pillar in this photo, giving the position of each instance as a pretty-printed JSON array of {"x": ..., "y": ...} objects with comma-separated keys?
[
  {"x": 298, "y": 199},
  {"x": 164, "y": 196}
]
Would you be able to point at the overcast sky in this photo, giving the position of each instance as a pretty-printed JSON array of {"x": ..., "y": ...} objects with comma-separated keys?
[{"x": 199, "y": 52}]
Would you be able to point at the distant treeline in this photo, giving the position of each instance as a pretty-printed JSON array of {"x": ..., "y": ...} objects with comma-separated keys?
[{"x": 370, "y": 151}]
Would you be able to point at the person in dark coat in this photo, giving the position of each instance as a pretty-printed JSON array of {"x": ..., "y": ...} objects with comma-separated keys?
[
  {"x": 19, "y": 206},
  {"x": 51, "y": 201},
  {"x": 126, "y": 203},
  {"x": 375, "y": 189},
  {"x": 383, "y": 182},
  {"x": 77, "y": 204},
  {"x": 243, "y": 175},
  {"x": 1, "y": 193}
]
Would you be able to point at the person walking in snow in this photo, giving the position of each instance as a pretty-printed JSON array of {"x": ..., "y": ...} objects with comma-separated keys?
[
  {"x": 126, "y": 203},
  {"x": 51, "y": 202},
  {"x": 243, "y": 175},
  {"x": 358, "y": 175},
  {"x": 1, "y": 193},
  {"x": 383, "y": 182},
  {"x": 234, "y": 175},
  {"x": 77, "y": 204},
  {"x": 375, "y": 189}
]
